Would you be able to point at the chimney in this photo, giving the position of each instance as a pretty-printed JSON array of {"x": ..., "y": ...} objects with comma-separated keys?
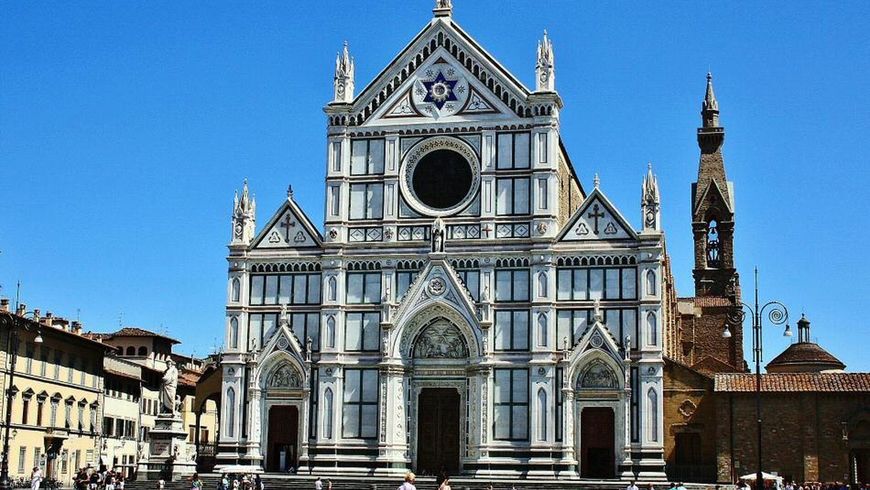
[
  {"x": 4, "y": 304},
  {"x": 21, "y": 309},
  {"x": 36, "y": 315},
  {"x": 48, "y": 320},
  {"x": 77, "y": 327}
]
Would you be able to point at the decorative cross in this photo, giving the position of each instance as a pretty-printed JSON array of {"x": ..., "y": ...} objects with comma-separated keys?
[
  {"x": 595, "y": 214},
  {"x": 486, "y": 229},
  {"x": 289, "y": 223}
]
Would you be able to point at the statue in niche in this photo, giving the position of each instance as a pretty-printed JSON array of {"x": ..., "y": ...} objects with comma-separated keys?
[
  {"x": 285, "y": 377},
  {"x": 438, "y": 235},
  {"x": 441, "y": 340},
  {"x": 598, "y": 375}
]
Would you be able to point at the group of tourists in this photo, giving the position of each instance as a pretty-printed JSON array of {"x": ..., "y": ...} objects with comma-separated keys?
[
  {"x": 248, "y": 481},
  {"x": 90, "y": 479}
]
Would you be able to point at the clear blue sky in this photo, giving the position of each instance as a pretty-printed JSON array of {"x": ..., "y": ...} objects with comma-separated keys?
[{"x": 126, "y": 126}]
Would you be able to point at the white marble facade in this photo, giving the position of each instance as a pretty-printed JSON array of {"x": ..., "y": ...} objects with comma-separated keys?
[{"x": 461, "y": 254}]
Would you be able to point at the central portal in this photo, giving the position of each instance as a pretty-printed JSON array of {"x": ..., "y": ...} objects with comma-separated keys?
[
  {"x": 438, "y": 431},
  {"x": 596, "y": 442},
  {"x": 282, "y": 452}
]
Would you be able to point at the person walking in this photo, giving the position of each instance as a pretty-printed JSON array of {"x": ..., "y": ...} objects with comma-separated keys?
[
  {"x": 445, "y": 484},
  {"x": 258, "y": 482},
  {"x": 632, "y": 486},
  {"x": 35, "y": 478},
  {"x": 318, "y": 485},
  {"x": 408, "y": 484},
  {"x": 195, "y": 482}
]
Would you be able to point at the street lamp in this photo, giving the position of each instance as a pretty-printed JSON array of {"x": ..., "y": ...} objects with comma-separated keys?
[
  {"x": 14, "y": 322},
  {"x": 777, "y": 314}
]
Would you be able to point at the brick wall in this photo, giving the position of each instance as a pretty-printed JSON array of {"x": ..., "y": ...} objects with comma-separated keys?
[{"x": 689, "y": 407}]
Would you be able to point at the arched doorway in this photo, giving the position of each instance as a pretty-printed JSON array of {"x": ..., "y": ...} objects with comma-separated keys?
[{"x": 282, "y": 448}]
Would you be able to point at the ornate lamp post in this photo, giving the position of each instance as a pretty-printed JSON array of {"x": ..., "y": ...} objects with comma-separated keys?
[
  {"x": 13, "y": 322},
  {"x": 777, "y": 314}
]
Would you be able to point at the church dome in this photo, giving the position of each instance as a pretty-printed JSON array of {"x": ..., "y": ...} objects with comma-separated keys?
[{"x": 804, "y": 356}]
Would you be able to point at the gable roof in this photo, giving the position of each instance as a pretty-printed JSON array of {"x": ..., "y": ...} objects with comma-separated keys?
[
  {"x": 130, "y": 332},
  {"x": 310, "y": 236},
  {"x": 786, "y": 382},
  {"x": 441, "y": 32},
  {"x": 612, "y": 225}
]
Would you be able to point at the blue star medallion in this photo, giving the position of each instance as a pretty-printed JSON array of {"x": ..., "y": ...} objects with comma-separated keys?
[{"x": 440, "y": 91}]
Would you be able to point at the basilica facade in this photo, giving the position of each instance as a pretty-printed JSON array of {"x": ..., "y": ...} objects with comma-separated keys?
[{"x": 468, "y": 307}]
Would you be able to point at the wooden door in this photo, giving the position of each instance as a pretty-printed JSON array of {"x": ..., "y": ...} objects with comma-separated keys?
[
  {"x": 438, "y": 431},
  {"x": 596, "y": 443},
  {"x": 282, "y": 447}
]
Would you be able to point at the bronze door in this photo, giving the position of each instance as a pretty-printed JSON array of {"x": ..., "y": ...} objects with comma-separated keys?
[
  {"x": 596, "y": 443},
  {"x": 438, "y": 431}
]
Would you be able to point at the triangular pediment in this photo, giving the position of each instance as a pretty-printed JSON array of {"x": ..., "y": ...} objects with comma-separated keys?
[
  {"x": 597, "y": 219},
  {"x": 283, "y": 339},
  {"x": 289, "y": 228},
  {"x": 483, "y": 87},
  {"x": 437, "y": 283},
  {"x": 713, "y": 195}
]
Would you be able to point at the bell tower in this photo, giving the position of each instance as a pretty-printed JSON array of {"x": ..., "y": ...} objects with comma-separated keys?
[{"x": 713, "y": 208}]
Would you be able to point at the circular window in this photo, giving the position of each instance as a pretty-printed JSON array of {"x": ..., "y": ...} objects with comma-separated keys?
[{"x": 440, "y": 176}]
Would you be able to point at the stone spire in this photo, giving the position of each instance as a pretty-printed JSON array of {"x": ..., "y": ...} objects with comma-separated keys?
[
  {"x": 710, "y": 106},
  {"x": 244, "y": 217},
  {"x": 650, "y": 201},
  {"x": 443, "y": 8},
  {"x": 343, "y": 82},
  {"x": 545, "y": 73}
]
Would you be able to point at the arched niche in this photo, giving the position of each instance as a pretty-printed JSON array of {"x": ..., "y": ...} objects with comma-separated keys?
[{"x": 440, "y": 339}]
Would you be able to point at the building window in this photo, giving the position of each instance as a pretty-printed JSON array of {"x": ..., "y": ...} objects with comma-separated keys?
[
  {"x": 471, "y": 279},
  {"x": 330, "y": 331},
  {"x": 511, "y": 330},
  {"x": 81, "y": 417},
  {"x": 143, "y": 351},
  {"x": 305, "y": 325},
  {"x": 570, "y": 324},
  {"x": 45, "y": 355},
  {"x": 25, "y": 409},
  {"x": 542, "y": 414},
  {"x": 94, "y": 409},
  {"x": 71, "y": 368},
  {"x": 332, "y": 289},
  {"x": 366, "y": 201},
  {"x": 336, "y": 156},
  {"x": 362, "y": 331},
  {"x": 367, "y": 157},
  {"x": 542, "y": 284},
  {"x": 327, "y": 413},
  {"x": 37, "y": 457},
  {"x": 53, "y": 419},
  {"x": 651, "y": 283},
  {"x": 363, "y": 287},
  {"x": 285, "y": 289},
  {"x": 40, "y": 404},
  {"x": 512, "y": 196},
  {"x": 511, "y": 405},
  {"x": 30, "y": 349},
  {"x": 512, "y": 285},
  {"x": 22, "y": 457},
  {"x": 360, "y": 411},
  {"x": 404, "y": 278},
  {"x": 67, "y": 414},
  {"x": 580, "y": 284},
  {"x": 513, "y": 151},
  {"x": 543, "y": 194}
]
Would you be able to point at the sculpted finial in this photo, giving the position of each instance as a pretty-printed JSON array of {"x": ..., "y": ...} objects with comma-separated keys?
[{"x": 443, "y": 8}]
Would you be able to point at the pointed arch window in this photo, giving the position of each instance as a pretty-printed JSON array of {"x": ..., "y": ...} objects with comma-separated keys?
[
  {"x": 231, "y": 413},
  {"x": 330, "y": 331},
  {"x": 652, "y": 328},
  {"x": 653, "y": 414},
  {"x": 542, "y": 284},
  {"x": 236, "y": 292},
  {"x": 234, "y": 333},
  {"x": 542, "y": 329},
  {"x": 714, "y": 258},
  {"x": 651, "y": 283},
  {"x": 328, "y": 415},
  {"x": 542, "y": 415},
  {"x": 332, "y": 289}
]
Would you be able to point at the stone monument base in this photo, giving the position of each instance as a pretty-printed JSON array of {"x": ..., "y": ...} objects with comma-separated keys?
[{"x": 169, "y": 456}]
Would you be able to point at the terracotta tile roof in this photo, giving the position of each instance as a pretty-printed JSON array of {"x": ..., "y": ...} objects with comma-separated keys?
[
  {"x": 119, "y": 373},
  {"x": 806, "y": 354},
  {"x": 782, "y": 382},
  {"x": 140, "y": 332},
  {"x": 188, "y": 378},
  {"x": 706, "y": 301}
]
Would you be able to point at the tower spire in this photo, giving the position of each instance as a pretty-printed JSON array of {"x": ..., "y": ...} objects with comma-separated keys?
[
  {"x": 244, "y": 216},
  {"x": 710, "y": 106},
  {"x": 650, "y": 201},
  {"x": 545, "y": 72},
  {"x": 344, "y": 72}
]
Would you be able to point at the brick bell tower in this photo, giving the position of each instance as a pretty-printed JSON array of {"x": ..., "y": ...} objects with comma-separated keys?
[{"x": 713, "y": 209}]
